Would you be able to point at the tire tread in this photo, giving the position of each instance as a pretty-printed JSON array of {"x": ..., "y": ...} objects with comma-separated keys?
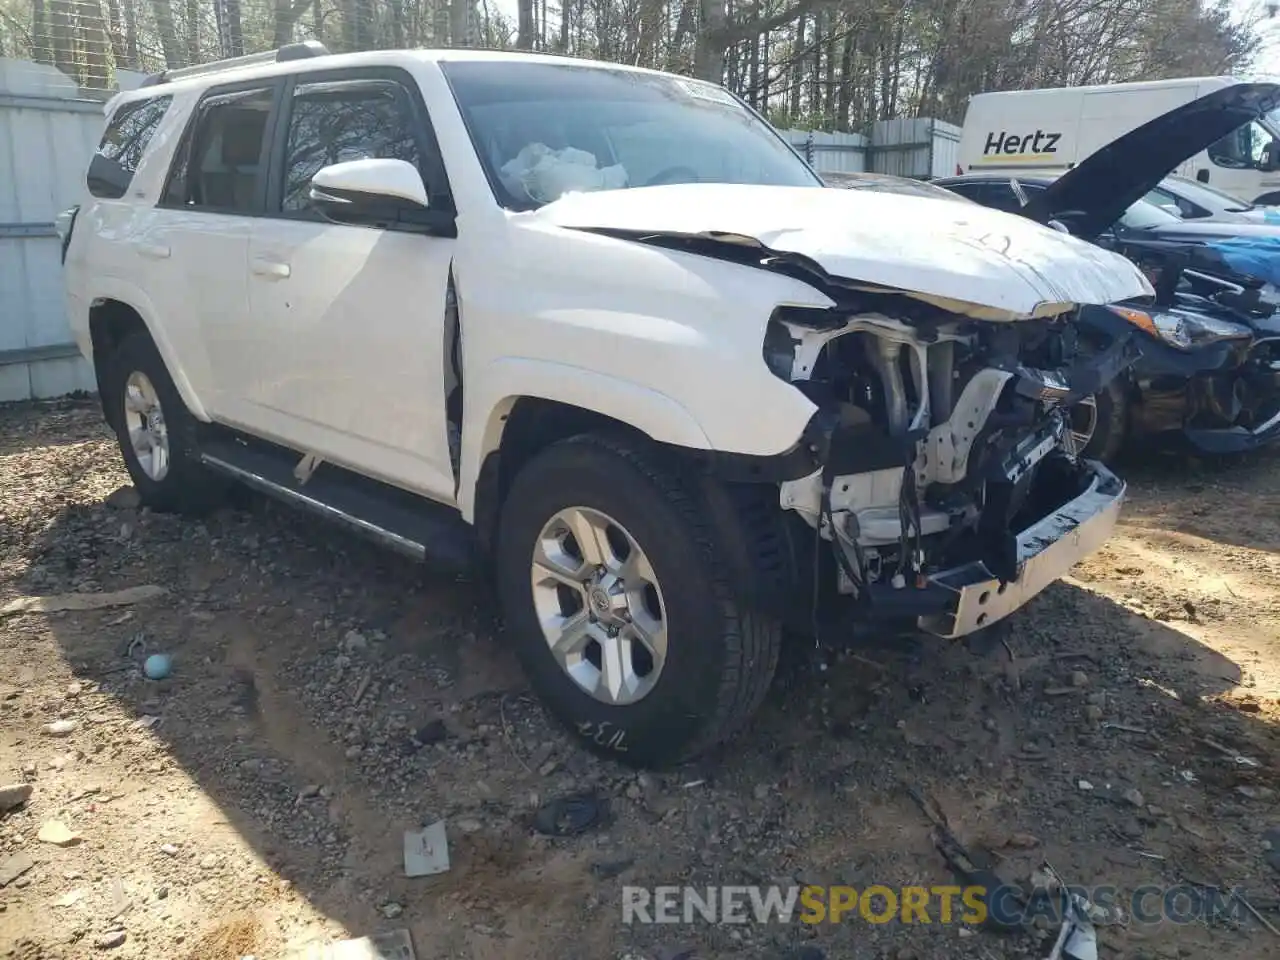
[{"x": 752, "y": 640}]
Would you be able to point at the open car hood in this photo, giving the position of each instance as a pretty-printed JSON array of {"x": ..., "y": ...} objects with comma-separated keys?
[
  {"x": 959, "y": 256},
  {"x": 1097, "y": 191}
]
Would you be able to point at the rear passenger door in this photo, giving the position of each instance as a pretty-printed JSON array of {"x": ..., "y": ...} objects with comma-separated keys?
[
  {"x": 345, "y": 333},
  {"x": 197, "y": 244}
]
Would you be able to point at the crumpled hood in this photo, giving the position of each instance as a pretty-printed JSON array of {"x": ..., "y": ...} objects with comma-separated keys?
[
  {"x": 1098, "y": 190},
  {"x": 960, "y": 256}
]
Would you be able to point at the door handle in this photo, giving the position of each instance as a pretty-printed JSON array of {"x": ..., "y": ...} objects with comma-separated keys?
[
  {"x": 156, "y": 251},
  {"x": 271, "y": 269}
]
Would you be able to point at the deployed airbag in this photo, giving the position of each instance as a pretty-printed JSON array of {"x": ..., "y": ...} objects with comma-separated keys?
[{"x": 544, "y": 175}]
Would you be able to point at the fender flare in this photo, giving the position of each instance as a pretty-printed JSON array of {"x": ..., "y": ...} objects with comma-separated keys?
[
  {"x": 508, "y": 379},
  {"x": 114, "y": 288}
]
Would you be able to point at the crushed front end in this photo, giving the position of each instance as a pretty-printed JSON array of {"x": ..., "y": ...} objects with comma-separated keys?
[{"x": 948, "y": 491}]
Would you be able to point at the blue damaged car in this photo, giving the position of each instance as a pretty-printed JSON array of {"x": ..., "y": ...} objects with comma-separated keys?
[{"x": 1209, "y": 374}]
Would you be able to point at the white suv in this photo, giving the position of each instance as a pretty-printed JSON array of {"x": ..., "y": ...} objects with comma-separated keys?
[{"x": 407, "y": 290}]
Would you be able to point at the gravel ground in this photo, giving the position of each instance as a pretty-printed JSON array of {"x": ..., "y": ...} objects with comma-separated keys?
[{"x": 325, "y": 698}]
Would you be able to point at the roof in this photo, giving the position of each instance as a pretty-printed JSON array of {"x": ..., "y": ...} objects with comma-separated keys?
[
  {"x": 1221, "y": 81},
  {"x": 367, "y": 58}
]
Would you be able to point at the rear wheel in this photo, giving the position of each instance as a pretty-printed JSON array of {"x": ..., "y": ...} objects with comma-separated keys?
[
  {"x": 155, "y": 430},
  {"x": 620, "y": 608}
]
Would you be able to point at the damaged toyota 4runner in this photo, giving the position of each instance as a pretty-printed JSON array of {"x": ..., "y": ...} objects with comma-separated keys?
[{"x": 599, "y": 331}]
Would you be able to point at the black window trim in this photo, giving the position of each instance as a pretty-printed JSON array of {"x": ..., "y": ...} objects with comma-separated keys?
[
  {"x": 182, "y": 154},
  {"x": 131, "y": 106},
  {"x": 442, "y": 213}
]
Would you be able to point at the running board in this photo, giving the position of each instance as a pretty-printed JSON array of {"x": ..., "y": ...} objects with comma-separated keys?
[{"x": 414, "y": 526}]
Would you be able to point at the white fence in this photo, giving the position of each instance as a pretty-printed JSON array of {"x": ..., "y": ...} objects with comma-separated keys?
[
  {"x": 919, "y": 148},
  {"x": 48, "y": 131},
  {"x": 830, "y": 152}
]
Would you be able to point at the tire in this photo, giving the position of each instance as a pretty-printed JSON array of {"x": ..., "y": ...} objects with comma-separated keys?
[
  {"x": 135, "y": 383},
  {"x": 1111, "y": 424},
  {"x": 719, "y": 657}
]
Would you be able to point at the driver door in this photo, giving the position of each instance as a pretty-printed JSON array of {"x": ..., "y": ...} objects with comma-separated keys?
[{"x": 344, "y": 352}]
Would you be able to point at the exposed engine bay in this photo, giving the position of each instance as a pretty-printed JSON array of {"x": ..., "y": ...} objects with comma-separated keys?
[{"x": 940, "y": 442}]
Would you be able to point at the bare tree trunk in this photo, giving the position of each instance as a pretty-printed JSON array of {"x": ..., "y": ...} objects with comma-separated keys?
[
  {"x": 815, "y": 74},
  {"x": 115, "y": 33},
  {"x": 41, "y": 50},
  {"x": 317, "y": 20},
  {"x": 131, "y": 33},
  {"x": 64, "y": 56},
  {"x": 440, "y": 24},
  {"x": 282, "y": 21},
  {"x": 797, "y": 68},
  {"x": 710, "y": 45},
  {"x": 350, "y": 29},
  {"x": 460, "y": 23},
  {"x": 829, "y": 82},
  {"x": 685, "y": 26},
  {"x": 846, "y": 81},
  {"x": 524, "y": 24},
  {"x": 396, "y": 10},
  {"x": 235, "y": 29},
  {"x": 193, "y": 31},
  {"x": 93, "y": 31}
]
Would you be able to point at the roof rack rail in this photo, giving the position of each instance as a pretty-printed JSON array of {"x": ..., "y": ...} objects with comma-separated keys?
[{"x": 303, "y": 50}]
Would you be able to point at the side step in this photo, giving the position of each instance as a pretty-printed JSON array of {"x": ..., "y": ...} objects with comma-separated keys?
[{"x": 419, "y": 528}]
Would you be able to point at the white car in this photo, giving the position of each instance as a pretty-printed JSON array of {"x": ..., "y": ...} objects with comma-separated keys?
[{"x": 601, "y": 331}]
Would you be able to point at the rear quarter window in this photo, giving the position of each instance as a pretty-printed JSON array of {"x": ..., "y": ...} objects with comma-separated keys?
[{"x": 123, "y": 145}]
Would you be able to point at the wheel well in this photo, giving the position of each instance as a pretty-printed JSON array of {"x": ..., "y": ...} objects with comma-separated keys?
[
  {"x": 1267, "y": 199},
  {"x": 769, "y": 552},
  {"x": 110, "y": 321},
  {"x": 532, "y": 425}
]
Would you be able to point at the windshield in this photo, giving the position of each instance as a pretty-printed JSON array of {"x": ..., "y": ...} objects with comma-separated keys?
[
  {"x": 542, "y": 130},
  {"x": 1242, "y": 149},
  {"x": 1143, "y": 215}
]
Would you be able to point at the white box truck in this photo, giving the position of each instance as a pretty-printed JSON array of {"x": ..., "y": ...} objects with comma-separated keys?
[{"x": 1050, "y": 131}]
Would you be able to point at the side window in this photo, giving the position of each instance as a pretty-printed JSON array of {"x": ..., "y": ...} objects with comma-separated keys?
[
  {"x": 345, "y": 120},
  {"x": 1164, "y": 200},
  {"x": 125, "y": 141},
  {"x": 221, "y": 166}
]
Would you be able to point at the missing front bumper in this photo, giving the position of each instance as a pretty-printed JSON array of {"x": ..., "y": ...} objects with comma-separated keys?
[{"x": 1046, "y": 550}]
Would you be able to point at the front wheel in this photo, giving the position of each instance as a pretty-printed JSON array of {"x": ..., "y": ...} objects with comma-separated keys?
[{"x": 620, "y": 608}]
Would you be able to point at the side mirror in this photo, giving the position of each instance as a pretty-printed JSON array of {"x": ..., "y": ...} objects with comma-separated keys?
[
  {"x": 1058, "y": 225},
  {"x": 370, "y": 192},
  {"x": 1172, "y": 208}
]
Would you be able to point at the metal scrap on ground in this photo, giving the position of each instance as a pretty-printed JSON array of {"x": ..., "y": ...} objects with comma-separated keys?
[{"x": 426, "y": 851}]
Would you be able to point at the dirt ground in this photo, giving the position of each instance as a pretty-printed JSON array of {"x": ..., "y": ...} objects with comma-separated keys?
[{"x": 254, "y": 802}]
